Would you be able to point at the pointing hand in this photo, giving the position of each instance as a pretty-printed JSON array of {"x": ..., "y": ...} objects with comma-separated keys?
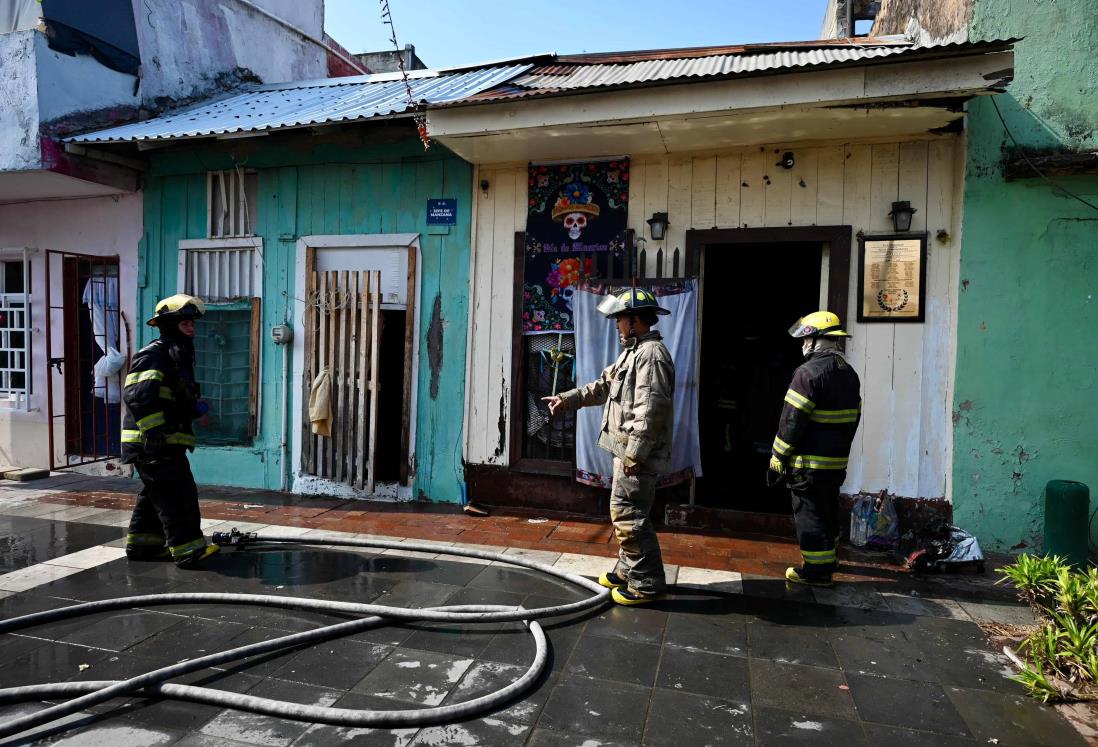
[{"x": 555, "y": 403}]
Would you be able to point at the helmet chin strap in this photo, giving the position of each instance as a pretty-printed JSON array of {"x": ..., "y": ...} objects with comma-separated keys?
[
  {"x": 631, "y": 332},
  {"x": 817, "y": 344}
]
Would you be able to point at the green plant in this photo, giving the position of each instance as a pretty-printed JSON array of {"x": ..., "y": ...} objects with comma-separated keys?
[
  {"x": 1061, "y": 653},
  {"x": 1078, "y": 642},
  {"x": 1043, "y": 646},
  {"x": 1036, "y": 684},
  {"x": 1035, "y": 577},
  {"x": 1070, "y": 592}
]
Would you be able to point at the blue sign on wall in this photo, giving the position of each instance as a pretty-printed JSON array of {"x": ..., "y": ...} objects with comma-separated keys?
[{"x": 442, "y": 212}]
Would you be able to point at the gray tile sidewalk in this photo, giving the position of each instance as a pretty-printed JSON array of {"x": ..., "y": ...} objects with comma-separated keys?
[{"x": 725, "y": 661}]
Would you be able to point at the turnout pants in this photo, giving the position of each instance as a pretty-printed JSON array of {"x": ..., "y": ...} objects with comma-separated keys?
[
  {"x": 639, "y": 558},
  {"x": 167, "y": 511},
  {"x": 816, "y": 517}
]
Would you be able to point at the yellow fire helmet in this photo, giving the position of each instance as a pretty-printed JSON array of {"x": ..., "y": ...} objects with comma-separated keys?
[
  {"x": 818, "y": 324},
  {"x": 629, "y": 300},
  {"x": 178, "y": 307}
]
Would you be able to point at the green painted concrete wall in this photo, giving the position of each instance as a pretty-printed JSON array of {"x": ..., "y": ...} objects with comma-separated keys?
[
  {"x": 1026, "y": 398},
  {"x": 309, "y": 188}
]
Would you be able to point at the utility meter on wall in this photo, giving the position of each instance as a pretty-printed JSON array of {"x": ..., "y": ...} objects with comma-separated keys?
[{"x": 282, "y": 334}]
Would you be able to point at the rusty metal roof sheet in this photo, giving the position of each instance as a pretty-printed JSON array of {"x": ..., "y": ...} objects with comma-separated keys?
[
  {"x": 287, "y": 105},
  {"x": 683, "y": 53},
  {"x": 568, "y": 73}
]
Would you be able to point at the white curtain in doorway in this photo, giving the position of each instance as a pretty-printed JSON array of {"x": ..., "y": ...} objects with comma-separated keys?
[
  {"x": 102, "y": 299},
  {"x": 597, "y": 347},
  {"x": 19, "y": 15}
]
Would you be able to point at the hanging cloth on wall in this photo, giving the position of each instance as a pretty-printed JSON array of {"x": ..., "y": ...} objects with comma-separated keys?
[
  {"x": 575, "y": 219},
  {"x": 102, "y": 300},
  {"x": 597, "y": 347},
  {"x": 320, "y": 404}
]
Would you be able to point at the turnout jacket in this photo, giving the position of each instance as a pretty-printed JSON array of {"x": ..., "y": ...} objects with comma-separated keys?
[
  {"x": 160, "y": 396},
  {"x": 637, "y": 390},
  {"x": 822, "y": 408}
]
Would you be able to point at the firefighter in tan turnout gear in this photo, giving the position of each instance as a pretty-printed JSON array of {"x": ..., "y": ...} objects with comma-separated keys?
[
  {"x": 822, "y": 408},
  {"x": 161, "y": 400},
  {"x": 637, "y": 422}
]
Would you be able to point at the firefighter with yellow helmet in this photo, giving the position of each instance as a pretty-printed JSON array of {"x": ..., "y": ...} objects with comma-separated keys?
[
  {"x": 637, "y": 391},
  {"x": 161, "y": 400},
  {"x": 822, "y": 409}
]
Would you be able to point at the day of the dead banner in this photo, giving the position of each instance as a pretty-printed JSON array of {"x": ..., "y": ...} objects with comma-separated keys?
[{"x": 577, "y": 211}]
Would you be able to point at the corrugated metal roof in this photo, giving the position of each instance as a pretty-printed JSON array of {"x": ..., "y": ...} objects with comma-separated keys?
[
  {"x": 682, "y": 53},
  {"x": 307, "y": 103},
  {"x": 573, "y": 76},
  {"x": 569, "y": 74}
]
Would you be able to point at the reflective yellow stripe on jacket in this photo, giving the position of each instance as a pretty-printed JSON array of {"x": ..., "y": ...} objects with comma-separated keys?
[
  {"x": 173, "y": 439},
  {"x": 834, "y": 416},
  {"x": 781, "y": 448},
  {"x": 801, "y": 402},
  {"x": 151, "y": 421},
  {"x": 810, "y": 461},
  {"x": 137, "y": 378}
]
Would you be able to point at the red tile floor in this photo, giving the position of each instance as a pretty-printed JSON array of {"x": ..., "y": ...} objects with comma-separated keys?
[{"x": 753, "y": 555}]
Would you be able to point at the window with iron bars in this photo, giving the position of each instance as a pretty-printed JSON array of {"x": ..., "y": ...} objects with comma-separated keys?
[
  {"x": 231, "y": 197},
  {"x": 15, "y": 312},
  {"x": 225, "y": 345},
  {"x": 226, "y": 273}
]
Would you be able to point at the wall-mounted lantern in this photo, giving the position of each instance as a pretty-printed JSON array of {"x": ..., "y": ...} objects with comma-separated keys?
[
  {"x": 901, "y": 216},
  {"x": 657, "y": 226}
]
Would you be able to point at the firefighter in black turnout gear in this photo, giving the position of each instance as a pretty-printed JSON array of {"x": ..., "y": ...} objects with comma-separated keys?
[
  {"x": 161, "y": 400},
  {"x": 822, "y": 408}
]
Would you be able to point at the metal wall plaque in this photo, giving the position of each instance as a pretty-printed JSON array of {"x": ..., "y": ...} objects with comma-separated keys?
[
  {"x": 892, "y": 278},
  {"x": 442, "y": 212}
]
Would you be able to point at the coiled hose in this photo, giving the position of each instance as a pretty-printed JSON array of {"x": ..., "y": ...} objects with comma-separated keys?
[{"x": 154, "y": 683}]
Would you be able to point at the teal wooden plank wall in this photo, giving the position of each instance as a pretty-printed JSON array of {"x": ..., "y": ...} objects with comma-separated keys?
[{"x": 328, "y": 189}]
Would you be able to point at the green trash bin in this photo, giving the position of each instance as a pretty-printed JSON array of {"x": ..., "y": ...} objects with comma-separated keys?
[{"x": 1067, "y": 520}]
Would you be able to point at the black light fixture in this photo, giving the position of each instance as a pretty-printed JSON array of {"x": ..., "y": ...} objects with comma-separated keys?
[
  {"x": 787, "y": 161},
  {"x": 657, "y": 226},
  {"x": 901, "y": 215}
]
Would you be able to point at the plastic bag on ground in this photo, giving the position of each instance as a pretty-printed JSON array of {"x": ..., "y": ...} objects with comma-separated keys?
[
  {"x": 874, "y": 522},
  {"x": 860, "y": 515}
]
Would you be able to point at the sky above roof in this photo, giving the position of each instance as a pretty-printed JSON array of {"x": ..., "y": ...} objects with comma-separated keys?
[{"x": 447, "y": 33}]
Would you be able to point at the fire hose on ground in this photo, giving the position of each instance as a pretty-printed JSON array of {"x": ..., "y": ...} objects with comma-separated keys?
[{"x": 85, "y": 694}]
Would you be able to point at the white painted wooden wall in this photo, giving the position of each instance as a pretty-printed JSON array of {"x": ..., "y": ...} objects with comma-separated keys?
[{"x": 904, "y": 444}]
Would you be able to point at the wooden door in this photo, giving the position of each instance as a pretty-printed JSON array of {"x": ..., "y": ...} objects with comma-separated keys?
[{"x": 342, "y": 330}]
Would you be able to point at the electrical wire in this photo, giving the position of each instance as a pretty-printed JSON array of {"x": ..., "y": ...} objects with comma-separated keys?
[
  {"x": 154, "y": 683},
  {"x": 1033, "y": 166},
  {"x": 417, "y": 112}
]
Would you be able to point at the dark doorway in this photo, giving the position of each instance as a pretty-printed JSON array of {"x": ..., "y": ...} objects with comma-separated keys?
[
  {"x": 752, "y": 294},
  {"x": 92, "y": 330},
  {"x": 390, "y": 403}
]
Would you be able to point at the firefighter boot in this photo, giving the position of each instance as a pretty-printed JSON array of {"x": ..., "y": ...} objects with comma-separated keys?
[
  {"x": 612, "y": 580},
  {"x": 799, "y": 576},
  {"x": 629, "y": 597},
  {"x": 190, "y": 559},
  {"x": 146, "y": 547}
]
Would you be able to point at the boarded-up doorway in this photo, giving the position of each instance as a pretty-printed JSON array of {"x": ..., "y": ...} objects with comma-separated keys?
[
  {"x": 358, "y": 325},
  {"x": 342, "y": 328}
]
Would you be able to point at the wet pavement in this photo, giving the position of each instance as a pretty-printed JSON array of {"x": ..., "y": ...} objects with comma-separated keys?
[{"x": 729, "y": 659}]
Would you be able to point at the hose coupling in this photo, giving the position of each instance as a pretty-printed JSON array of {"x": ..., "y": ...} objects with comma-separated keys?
[{"x": 235, "y": 538}]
